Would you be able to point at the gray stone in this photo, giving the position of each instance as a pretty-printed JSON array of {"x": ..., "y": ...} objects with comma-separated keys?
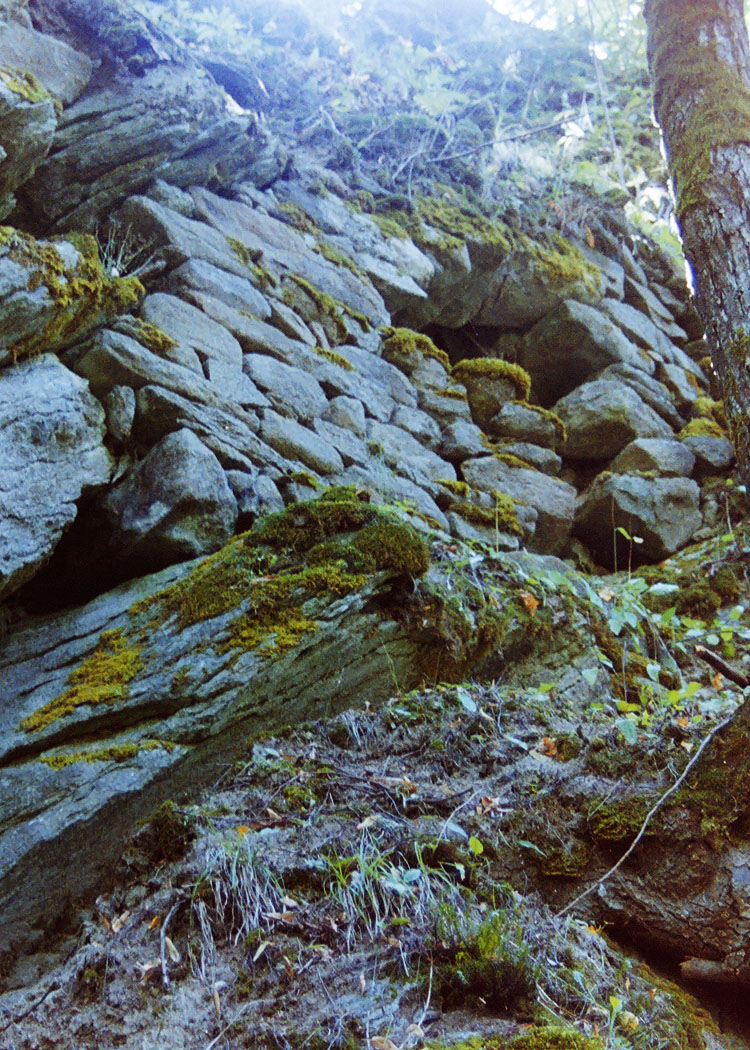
[
  {"x": 256, "y": 494},
  {"x": 649, "y": 389},
  {"x": 487, "y": 395},
  {"x": 119, "y": 408},
  {"x": 227, "y": 431},
  {"x": 429, "y": 374},
  {"x": 419, "y": 425},
  {"x": 611, "y": 271},
  {"x": 602, "y": 417},
  {"x": 684, "y": 392},
  {"x": 197, "y": 275},
  {"x": 538, "y": 456},
  {"x": 639, "y": 295},
  {"x": 288, "y": 322},
  {"x": 291, "y": 391},
  {"x": 347, "y": 412},
  {"x": 712, "y": 454},
  {"x": 518, "y": 420},
  {"x": 297, "y": 442},
  {"x": 176, "y": 504},
  {"x": 446, "y": 408},
  {"x": 585, "y": 339},
  {"x": 461, "y": 441},
  {"x": 668, "y": 457},
  {"x": 553, "y": 499},
  {"x": 661, "y": 512},
  {"x": 406, "y": 455},
  {"x": 379, "y": 479},
  {"x": 479, "y": 533},
  {"x": 59, "y": 68},
  {"x": 638, "y": 327},
  {"x": 351, "y": 448},
  {"x": 51, "y": 452},
  {"x": 26, "y": 131}
]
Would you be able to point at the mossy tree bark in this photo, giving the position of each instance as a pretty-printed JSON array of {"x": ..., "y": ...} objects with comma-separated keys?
[{"x": 700, "y": 70}]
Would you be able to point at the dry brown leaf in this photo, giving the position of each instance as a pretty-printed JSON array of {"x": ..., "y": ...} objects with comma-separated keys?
[
  {"x": 172, "y": 952},
  {"x": 119, "y": 922},
  {"x": 155, "y": 922},
  {"x": 529, "y": 602},
  {"x": 590, "y": 239},
  {"x": 380, "y": 1043},
  {"x": 547, "y": 746}
]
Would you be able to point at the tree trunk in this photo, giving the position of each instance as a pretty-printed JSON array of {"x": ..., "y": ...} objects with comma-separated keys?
[{"x": 700, "y": 70}]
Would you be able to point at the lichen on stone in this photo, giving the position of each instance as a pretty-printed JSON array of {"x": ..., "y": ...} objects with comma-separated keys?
[{"x": 23, "y": 83}]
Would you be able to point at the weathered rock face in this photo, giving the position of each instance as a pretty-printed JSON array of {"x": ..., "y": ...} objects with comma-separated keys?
[
  {"x": 27, "y": 124},
  {"x": 170, "y": 115},
  {"x": 602, "y": 417},
  {"x": 663, "y": 513},
  {"x": 51, "y": 451},
  {"x": 175, "y": 505},
  {"x": 113, "y": 706}
]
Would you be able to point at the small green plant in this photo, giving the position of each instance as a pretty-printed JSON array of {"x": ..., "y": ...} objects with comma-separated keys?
[{"x": 485, "y": 960}]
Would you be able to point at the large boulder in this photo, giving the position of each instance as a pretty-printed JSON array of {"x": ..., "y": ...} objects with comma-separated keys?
[
  {"x": 27, "y": 126},
  {"x": 176, "y": 504},
  {"x": 51, "y": 452},
  {"x": 660, "y": 515},
  {"x": 552, "y": 499},
  {"x": 671, "y": 458},
  {"x": 603, "y": 416},
  {"x": 570, "y": 345}
]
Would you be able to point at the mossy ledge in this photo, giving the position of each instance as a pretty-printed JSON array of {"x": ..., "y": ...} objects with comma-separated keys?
[
  {"x": 405, "y": 348},
  {"x": 327, "y": 547}
]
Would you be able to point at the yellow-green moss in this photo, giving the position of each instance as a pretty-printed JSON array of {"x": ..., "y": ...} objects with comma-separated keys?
[
  {"x": 334, "y": 358},
  {"x": 326, "y": 306},
  {"x": 247, "y": 256},
  {"x": 458, "y": 488},
  {"x": 403, "y": 346},
  {"x": 551, "y": 417},
  {"x": 517, "y": 462},
  {"x": 116, "y": 753},
  {"x": 493, "y": 368},
  {"x": 268, "y": 574},
  {"x": 620, "y": 819},
  {"x": 83, "y": 294},
  {"x": 301, "y": 477},
  {"x": 298, "y": 218},
  {"x": 154, "y": 338},
  {"x": 702, "y": 427},
  {"x": 339, "y": 258},
  {"x": 24, "y": 84},
  {"x": 457, "y": 393},
  {"x": 502, "y": 516},
  {"x": 103, "y": 678},
  {"x": 708, "y": 408},
  {"x": 554, "y": 1037}
]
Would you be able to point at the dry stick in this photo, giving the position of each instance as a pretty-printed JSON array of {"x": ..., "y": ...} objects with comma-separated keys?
[
  {"x": 163, "y": 943},
  {"x": 656, "y": 806},
  {"x": 721, "y": 666},
  {"x": 496, "y": 142}
]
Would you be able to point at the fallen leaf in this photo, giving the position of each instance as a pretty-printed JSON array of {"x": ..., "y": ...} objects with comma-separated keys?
[
  {"x": 686, "y": 745},
  {"x": 273, "y": 814},
  {"x": 368, "y": 822},
  {"x": 718, "y": 680},
  {"x": 529, "y": 602},
  {"x": 242, "y": 830},
  {"x": 488, "y": 805},
  {"x": 217, "y": 1001},
  {"x": 156, "y": 921},
  {"x": 290, "y": 902},
  {"x": 362, "y": 983},
  {"x": 119, "y": 922},
  {"x": 590, "y": 239},
  {"x": 408, "y": 785},
  {"x": 606, "y": 594},
  {"x": 260, "y": 949},
  {"x": 149, "y": 969},
  {"x": 547, "y": 746},
  {"x": 172, "y": 952}
]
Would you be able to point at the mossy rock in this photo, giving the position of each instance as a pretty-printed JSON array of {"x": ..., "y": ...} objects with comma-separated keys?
[
  {"x": 555, "y": 1037},
  {"x": 406, "y": 349}
]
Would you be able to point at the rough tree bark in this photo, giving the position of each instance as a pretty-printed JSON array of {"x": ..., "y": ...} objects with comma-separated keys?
[{"x": 700, "y": 70}]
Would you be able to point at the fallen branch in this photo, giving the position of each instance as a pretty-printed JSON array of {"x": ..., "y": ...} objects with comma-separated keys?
[
  {"x": 649, "y": 817},
  {"x": 722, "y": 666}
]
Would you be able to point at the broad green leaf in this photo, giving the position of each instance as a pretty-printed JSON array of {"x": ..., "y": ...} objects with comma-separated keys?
[
  {"x": 476, "y": 846},
  {"x": 628, "y": 729},
  {"x": 590, "y": 675}
]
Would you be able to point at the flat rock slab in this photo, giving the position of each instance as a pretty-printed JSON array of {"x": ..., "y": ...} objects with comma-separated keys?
[
  {"x": 51, "y": 451},
  {"x": 603, "y": 416}
]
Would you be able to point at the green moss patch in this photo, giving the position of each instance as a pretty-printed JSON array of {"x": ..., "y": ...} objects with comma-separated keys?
[
  {"x": 488, "y": 368},
  {"x": 323, "y": 548},
  {"x": 103, "y": 678},
  {"x": 83, "y": 294},
  {"x": 554, "y": 1037},
  {"x": 154, "y": 338},
  {"x": 24, "y": 84},
  {"x": 116, "y": 753},
  {"x": 405, "y": 348}
]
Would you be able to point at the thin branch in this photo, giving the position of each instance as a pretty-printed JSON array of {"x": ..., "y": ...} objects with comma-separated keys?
[
  {"x": 721, "y": 666},
  {"x": 649, "y": 816},
  {"x": 506, "y": 138}
]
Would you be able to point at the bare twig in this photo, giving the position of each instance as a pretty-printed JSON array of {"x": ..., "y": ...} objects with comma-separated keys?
[
  {"x": 496, "y": 142},
  {"x": 163, "y": 942},
  {"x": 649, "y": 816},
  {"x": 722, "y": 666}
]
